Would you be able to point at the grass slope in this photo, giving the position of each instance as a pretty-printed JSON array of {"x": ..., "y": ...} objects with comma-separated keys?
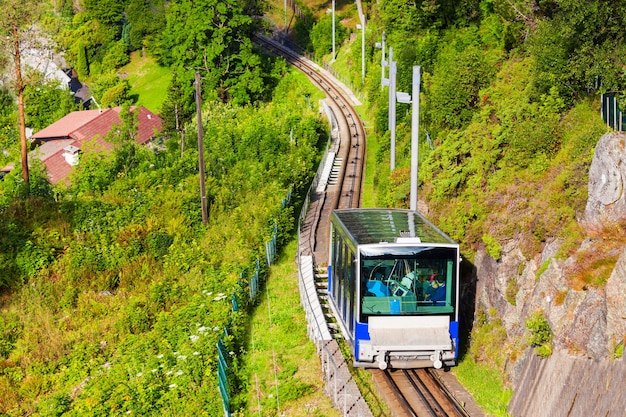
[
  {"x": 281, "y": 367},
  {"x": 148, "y": 81}
]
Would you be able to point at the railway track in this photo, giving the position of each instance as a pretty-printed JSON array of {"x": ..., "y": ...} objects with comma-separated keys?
[
  {"x": 419, "y": 393},
  {"x": 414, "y": 392},
  {"x": 351, "y": 145},
  {"x": 348, "y": 150}
]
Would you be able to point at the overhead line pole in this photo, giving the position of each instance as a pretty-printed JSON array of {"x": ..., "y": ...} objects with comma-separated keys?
[
  {"x": 392, "y": 108},
  {"x": 415, "y": 126},
  {"x": 333, "y": 17}
]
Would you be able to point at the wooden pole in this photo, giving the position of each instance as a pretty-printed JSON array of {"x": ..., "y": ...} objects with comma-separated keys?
[{"x": 201, "y": 150}]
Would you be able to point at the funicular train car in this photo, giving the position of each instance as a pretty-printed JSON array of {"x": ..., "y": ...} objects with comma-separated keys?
[{"x": 393, "y": 284}]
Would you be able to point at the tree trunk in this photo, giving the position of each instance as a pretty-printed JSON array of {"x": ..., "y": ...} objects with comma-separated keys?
[{"x": 20, "y": 106}]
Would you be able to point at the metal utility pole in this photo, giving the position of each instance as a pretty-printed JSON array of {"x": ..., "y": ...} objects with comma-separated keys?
[
  {"x": 203, "y": 204},
  {"x": 392, "y": 108},
  {"x": 362, "y": 16},
  {"x": 383, "y": 63},
  {"x": 414, "y": 100},
  {"x": 415, "y": 126},
  {"x": 333, "y": 17}
]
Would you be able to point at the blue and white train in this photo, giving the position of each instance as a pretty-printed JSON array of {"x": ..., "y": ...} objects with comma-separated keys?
[{"x": 393, "y": 285}]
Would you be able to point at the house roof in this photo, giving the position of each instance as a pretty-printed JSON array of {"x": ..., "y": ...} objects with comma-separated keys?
[
  {"x": 80, "y": 127},
  {"x": 51, "y": 154},
  {"x": 64, "y": 127}
]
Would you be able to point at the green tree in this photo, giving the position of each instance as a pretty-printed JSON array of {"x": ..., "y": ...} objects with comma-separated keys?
[
  {"x": 460, "y": 71},
  {"x": 82, "y": 65},
  {"x": 146, "y": 19},
  {"x": 322, "y": 35},
  {"x": 177, "y": 109},
  {"x": 124, "y": 136},
  {"x": 116, "y": 57},
  {"x": 110, "y": 90},
  {"x": 9, "y": 132},
  {"x": 117, "y": 95},
  {"x": 575, "y": 44},
  {"x": 214, "y": 38},
  {"x": 107, "y": 12},
  {"x": 48, "y": 102}
]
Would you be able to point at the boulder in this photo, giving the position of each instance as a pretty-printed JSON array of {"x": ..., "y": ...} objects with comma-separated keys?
[{"x": 606, "y": 202}]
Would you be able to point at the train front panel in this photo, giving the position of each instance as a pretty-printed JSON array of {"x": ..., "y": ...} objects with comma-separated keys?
[{"x": 395, "y": 297}]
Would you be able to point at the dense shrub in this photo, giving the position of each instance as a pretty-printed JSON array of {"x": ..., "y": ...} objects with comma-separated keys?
[{"x": 540, "y": 336}]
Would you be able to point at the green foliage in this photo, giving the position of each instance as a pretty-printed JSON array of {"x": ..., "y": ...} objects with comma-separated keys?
[
  {"x": 540, "y": 336},
  {"x": 58, "y": 404},
  {"x": 512, "y": 287},
  {"x": 10, "y": 331},
  {"x": 214, "y": 38},
  {"x": 128, "y": 292},
  {"x": 115, "y": 57},
  {"x": 486, "y": 385},
  {"x": 116, "y": 95},
  {"x": 107, "y": 12},
  {"x": 110, "y": 90},
  {"x": 574, "y": 45},
  {"x": 177, "y": 109},
  {"x": 461, "y": 70},
  {"x": 302, "y": 30},
  {"x": 81, "y": 64},
  {"x": 492, "y": 246},
  {"x": 544, "y": 266},
  {"x": 146, "y": 18},
  {"x": 46, "y": 103},
  {"x": 322, "y": 35}
]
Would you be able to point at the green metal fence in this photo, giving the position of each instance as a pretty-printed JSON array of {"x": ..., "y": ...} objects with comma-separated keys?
[
  {"x": 611, "y": 112},
  {"x": 252, "y": 285}
]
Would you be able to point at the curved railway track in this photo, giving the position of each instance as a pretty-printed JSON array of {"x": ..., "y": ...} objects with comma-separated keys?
[
  {"x": 351, "y": 145},
  {"x": 415, "y": 393}
]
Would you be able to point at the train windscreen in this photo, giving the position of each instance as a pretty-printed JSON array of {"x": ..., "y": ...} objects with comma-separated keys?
[{"x": 415, "y": 280}]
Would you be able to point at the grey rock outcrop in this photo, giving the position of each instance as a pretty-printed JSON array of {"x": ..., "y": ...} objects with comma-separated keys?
[
  {"x": 583, "y": 376},
  {"x": 606, "y": 201}
]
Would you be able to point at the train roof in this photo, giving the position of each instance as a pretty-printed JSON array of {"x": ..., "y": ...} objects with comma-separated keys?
[{"x": 373, "y": 226}]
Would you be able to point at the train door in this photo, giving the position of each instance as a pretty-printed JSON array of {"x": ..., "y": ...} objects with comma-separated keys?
[
  {"x": 352, "y": 289},
  {"x": 338, "y": 271}
]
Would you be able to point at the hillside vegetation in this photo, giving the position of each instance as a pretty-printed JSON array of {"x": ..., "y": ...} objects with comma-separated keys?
[{"x": 114, "y": 293}]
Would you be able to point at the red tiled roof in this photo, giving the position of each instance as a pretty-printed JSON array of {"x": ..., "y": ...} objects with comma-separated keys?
[
  {"x": 57, "y": 167},
  {"x": 84, "y": 126},
  {"x": 64, "y": 127}
]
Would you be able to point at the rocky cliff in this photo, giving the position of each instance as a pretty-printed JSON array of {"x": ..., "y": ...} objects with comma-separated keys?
[{"x": 585, "y": 374}]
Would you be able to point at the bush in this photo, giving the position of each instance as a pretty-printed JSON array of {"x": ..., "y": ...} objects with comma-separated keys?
[
  {"x": 540, "y": 336},
  {"x": 492, "y": 246},
  {"x": 10, "y": 331},
  {"x": 322, "y": 32}
]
